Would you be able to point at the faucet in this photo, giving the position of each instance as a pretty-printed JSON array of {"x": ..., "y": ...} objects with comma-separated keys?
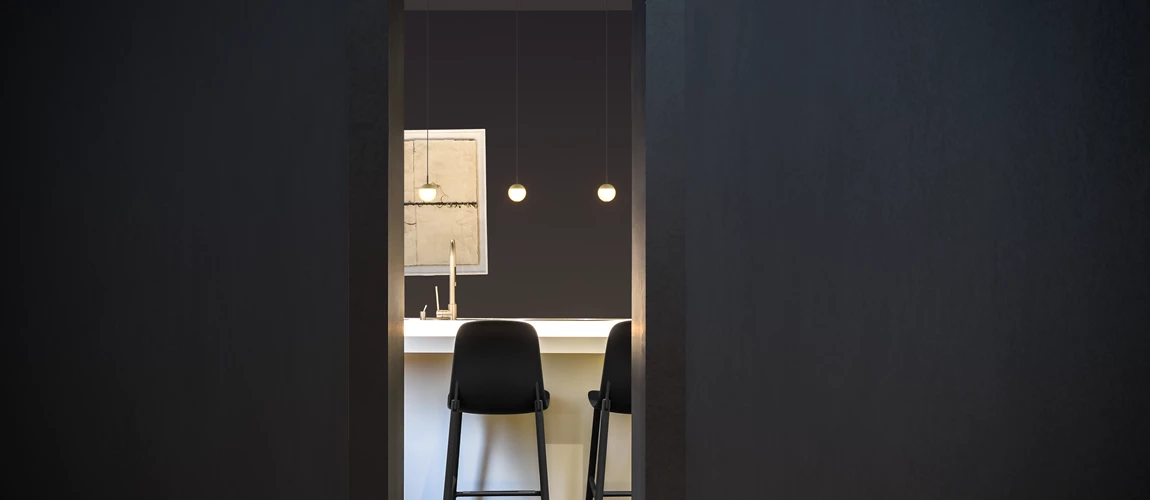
[
  {"x": 452, "y": 311},
  {"x": 451, "y": 306}
]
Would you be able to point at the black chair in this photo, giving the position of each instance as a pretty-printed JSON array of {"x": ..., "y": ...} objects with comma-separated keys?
[
  {"x": 613, "y": 396},
  {"x": 496, "y": 371}
]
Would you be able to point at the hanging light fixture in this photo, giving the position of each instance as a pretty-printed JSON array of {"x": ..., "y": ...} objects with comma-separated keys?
[
  {"x": 517, "y": 192},
  {"x": 427, "y": 191},
  {"x": 606, "y": 191}
]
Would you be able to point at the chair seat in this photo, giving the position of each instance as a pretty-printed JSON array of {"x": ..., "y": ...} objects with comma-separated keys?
[
  {"x": 593, "y": 397},
  {"x": 527, "y": 407}
]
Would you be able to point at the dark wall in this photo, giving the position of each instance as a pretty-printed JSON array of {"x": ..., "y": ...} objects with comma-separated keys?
[
  {"x": 375, "y": 254},
  {"x": 918, "y": 247},
  {"x": 561, "y": 252},
  {"x": 658, "y": 306},
  {"x": 177, "y": 317}
]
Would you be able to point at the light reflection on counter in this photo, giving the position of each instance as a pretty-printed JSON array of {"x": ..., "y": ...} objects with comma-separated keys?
[{"x": 556, "y": 336}]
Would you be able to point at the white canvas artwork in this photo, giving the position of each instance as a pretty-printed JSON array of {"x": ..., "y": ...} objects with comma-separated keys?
[{"x": 458, "y": 165}]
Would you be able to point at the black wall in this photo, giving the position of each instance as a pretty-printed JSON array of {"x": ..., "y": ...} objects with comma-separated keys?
[
  {"x": 178, "y": 310},
  {"x": 561, "y": 252},
  {"x": 918, "y": 246}
]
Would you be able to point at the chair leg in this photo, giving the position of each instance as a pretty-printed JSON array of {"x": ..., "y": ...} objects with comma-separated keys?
[
  {"x": 592, "y": 453},
  {"x": 451, "y": 474},
  {"x": 605, "y": 417},
  {"x": 540, "y": 436}
]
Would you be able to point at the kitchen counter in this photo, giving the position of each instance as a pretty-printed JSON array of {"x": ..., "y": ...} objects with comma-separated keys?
[
  {"x": 498, "y": 451},
  {"x": 556, "y": 336}
]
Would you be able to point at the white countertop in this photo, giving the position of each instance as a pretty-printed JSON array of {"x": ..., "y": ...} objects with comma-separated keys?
[{"x": 556, "y": 336}]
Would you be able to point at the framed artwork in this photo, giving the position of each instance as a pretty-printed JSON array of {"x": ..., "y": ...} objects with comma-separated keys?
[{"x": 458, "y": 165}]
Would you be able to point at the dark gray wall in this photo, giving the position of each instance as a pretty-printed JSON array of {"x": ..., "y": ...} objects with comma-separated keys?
[
  {"x": 919, "y": 246},
  {"x": 375, "y": 220},
  {"x": 561, "y": 252},
  {"x": 177, "y": 315},
  {"x": 659, "y": 166}
]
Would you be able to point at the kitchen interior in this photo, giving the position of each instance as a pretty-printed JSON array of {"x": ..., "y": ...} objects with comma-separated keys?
[{"x": 516, "y": 207}]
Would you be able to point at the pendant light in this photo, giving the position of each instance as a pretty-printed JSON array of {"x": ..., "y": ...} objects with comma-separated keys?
[
  {"x": 517, "y": 192},
  {"x": 428, "y": 191},
  {"x": 606, "y": 191}
]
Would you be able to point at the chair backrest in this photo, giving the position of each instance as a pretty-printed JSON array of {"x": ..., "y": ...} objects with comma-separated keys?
[
  {"x": 617, "y": 368},
  {"x": 496, "y": 368}
]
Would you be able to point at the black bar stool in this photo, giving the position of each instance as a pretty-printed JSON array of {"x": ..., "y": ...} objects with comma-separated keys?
[
  {"x": 496, "y": 371},
  {"x": 613, "y": 396}
]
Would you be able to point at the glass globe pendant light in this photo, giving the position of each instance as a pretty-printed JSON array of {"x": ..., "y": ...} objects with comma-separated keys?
[
  {"x": 517, "y": 192},
  {"x": 606, "y": 191},
  {"x": 427, "y": 191}
]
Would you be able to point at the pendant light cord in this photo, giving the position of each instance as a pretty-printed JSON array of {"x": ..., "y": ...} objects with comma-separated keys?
[
  {"x": 517, "y": 91},
  {"x": 606, "y": 154},
  {"x": 427, "y": 88}
]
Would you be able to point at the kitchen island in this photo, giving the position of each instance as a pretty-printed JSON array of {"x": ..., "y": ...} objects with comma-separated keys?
[{"x": 498, "y": 452}]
